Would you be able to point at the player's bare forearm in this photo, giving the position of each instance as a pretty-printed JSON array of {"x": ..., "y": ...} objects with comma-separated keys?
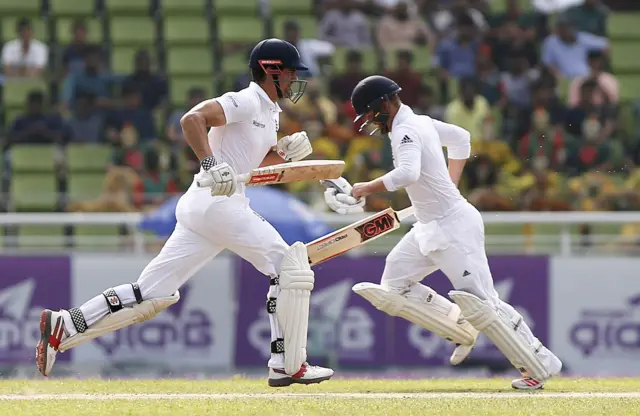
[
  {"x": 367, "y": 188},
  {"x": 272, "y": 158},
  {"x": 195, "y": 123},
  {"x": 456, "y": 166}
]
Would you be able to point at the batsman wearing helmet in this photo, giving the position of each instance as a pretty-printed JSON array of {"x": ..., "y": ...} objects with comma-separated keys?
[
  {"x": 448, "y": 235},
  {"x": 236, "y": 132}
]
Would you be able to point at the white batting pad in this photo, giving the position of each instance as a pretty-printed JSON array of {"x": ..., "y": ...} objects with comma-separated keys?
[
  {"x": 292, "y": 309},
  {"x": 424, "y": 307},
  {"x": 126, "y": 316},
  {"x": 507, "y": 330}
]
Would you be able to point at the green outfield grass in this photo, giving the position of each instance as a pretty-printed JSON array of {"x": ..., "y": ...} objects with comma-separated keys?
[{"x": 241, "y": 396}]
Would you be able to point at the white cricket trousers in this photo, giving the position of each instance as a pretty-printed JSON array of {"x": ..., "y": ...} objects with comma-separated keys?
[
  {"x": 453, "y": 244},
  {"x": 206, "y": 226}
]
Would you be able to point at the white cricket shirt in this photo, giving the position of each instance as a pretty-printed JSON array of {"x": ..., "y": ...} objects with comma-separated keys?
[
  {"x": 420, "y": 166},
  {"x": 251, "y": 129}
]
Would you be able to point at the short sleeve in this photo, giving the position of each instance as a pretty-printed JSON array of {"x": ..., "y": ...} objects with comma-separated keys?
[
  {"x": 238, "y": 106},
  {"x": 8, "y": 54}
]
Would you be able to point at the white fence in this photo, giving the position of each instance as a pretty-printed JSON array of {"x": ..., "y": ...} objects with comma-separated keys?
[{"x": 558, "y": 234}]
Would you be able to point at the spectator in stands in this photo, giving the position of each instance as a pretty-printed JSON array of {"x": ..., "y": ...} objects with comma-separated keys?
[
  {"x": 86, "y": 123},
  {"x": 445, "y": 21},
  {"x": 591, "y": 152},
  {"x": 25, "y": 56},
  {"x": 516, "y": 17},
  {"x": 608, "y": 90},
  {"x": 152, "y": 86},
  {"x": 586, "y": 109},
  {"x": 312, "y": 51},
  {"x": 408, "y": 79},
  {"x": 173, "y": 129},
  {"x": 542, "y": 98},
  {"x": 341, "y": 85},
  {"x": 346, "y": 26},
  {"x": 312, "y": 113},
  {"x": 565, "y": 53},
  {"x": 130, "y": 127},
  {"x": 488, "y": 75},
  {"x": 469, "y": 110},
  {"x": 512, "y": 37},
  {"x": 242, "y": 80},
  {"x": 91, "y": 79},
  {"x": 73, "y": 53},
  {"x": 402, "y": 30},
  {"x": 155, "y": 184},
  {"x": 590, "y": 17},
  {"x": 36, "y": 126},
  {"x": 426, "y": 104},
  {"x": 517, "y": 82},
  {"x": 543, "y": 146},
  {"x": 456, "y": 57}
]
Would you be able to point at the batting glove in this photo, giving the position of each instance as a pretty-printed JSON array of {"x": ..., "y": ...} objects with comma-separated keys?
[
  {"x": 221, "y": 178},
  {"x": 295, "y": 147},
  {"x": 338, "y": 197}
]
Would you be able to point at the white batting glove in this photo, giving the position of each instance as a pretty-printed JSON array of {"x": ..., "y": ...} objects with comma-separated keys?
[
  {"x": 295, "y": 147},
  {"x": 338, "y": 197},
  {"x": 221, "y": 178}
]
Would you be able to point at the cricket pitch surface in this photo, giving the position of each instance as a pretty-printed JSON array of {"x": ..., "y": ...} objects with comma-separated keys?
[{"x": 371, "y": 397}]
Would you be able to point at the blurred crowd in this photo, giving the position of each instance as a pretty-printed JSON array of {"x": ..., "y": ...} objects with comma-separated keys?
[{"x": 498, "y": 75}]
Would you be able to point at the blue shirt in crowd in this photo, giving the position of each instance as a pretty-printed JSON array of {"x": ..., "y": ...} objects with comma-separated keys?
[{"x": 571, "y": 58}]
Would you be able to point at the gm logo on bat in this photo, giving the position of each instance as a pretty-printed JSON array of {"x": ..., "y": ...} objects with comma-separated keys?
[{"x": 375, "y": 227}]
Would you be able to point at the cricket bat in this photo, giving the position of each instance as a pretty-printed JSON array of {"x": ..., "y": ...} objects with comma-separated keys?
[
  {"x": 356, "y": 234},
  {"x": 304, "y": 170}
]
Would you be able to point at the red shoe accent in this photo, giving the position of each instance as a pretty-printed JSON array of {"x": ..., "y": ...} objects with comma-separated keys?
[
  {"x": 299, "y": 374},
  {"x": 531, "y": 382},
  {"x": 56, "y": 336}
]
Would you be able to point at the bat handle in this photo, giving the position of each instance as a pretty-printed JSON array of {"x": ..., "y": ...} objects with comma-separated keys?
[
  {"x": 242, "y": 178},
  {"x": 406, "y": 213}
]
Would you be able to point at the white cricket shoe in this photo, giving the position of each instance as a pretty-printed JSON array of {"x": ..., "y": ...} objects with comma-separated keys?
[
  {"x": 460, "y": 354},
  {"x": 51, "y": 334},
  {"x": 308, "y": 374},
  {"x": 527, "y": 383}
]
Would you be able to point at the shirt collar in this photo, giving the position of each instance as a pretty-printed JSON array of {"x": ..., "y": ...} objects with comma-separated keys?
[
  {"x": 258, "y": 89},
  {"x": 401, "y": 115}
]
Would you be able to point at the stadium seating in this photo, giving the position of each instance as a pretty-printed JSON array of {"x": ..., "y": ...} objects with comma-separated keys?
[
  {"x": 15, "y": 91},
  {"x": 178, "y": 7},
  {"x": 75, "y": 8},
  {"x": 127, "y": 7},
  {"x": 122, "y": 57},
  {"x": 132, "y": 31},
  {"x": 23, "y": 156},
  {"x": 84, "y": 186},
  {"x": 286, "y": 6},
  {"x": 19, "y": 7},
  {"x": 186, "y": 31},
  {"x": 624, "y": 26},
  {"x": 33, "y": 192},
  {"x": 88, "y": 157},
  {"x": 240, "y": 30},
  {"x": 190, "y": 61},
  {"x": 224, "y": 8},
  {"x": 178, "y": 88}
]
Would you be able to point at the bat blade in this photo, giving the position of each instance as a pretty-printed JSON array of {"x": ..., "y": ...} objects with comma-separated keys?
[
  {"x": 352, "y": 236},
  {"x": 304, "y": 170}
]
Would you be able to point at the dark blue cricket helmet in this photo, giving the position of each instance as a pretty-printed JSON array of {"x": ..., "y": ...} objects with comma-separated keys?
[
  {"x": 369, "y": 95},
  {"x": 275, "y": 55}
]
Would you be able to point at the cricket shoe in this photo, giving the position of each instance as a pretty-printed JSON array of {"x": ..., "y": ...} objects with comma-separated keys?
[
  {"x": 51, "y": 334},
  {"x": 527, "y": 383},
  {"x": 308, "y": 374}
]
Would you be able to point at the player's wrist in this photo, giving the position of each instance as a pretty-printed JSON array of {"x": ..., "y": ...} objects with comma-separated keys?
[{"x": 208, "y": 162}]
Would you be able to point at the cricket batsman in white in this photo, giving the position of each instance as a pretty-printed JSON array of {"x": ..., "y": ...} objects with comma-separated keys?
[
  {"x": 231, "y": 134},
  {"x": 448, "y": 235}
]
